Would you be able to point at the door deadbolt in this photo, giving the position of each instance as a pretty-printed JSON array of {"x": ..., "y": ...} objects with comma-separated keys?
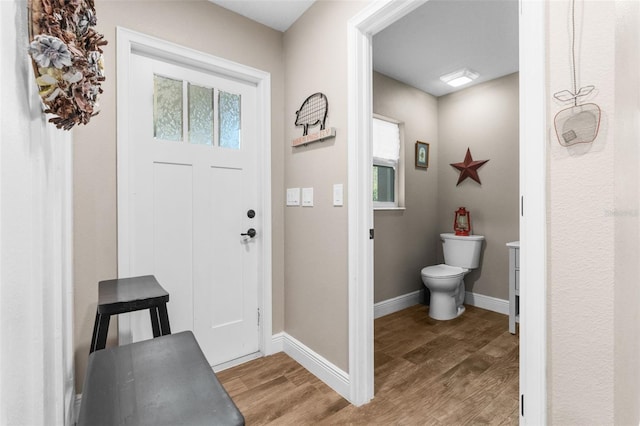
[{"x": 251, "y": 214}]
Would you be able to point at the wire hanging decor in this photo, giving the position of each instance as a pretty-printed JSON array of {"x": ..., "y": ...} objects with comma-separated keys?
[{"x": 579, "y": 123}]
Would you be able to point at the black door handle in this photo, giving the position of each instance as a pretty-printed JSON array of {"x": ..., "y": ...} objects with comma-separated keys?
[{"x": 250, "y": 233}]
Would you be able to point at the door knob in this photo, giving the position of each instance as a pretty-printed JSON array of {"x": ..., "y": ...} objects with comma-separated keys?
[{"x": 250, "y": 233}]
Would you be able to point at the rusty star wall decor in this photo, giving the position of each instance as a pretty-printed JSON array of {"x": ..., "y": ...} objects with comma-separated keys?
[{"x": 468, "y": 168}]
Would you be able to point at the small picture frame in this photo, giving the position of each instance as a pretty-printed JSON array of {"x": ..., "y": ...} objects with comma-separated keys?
[{"x": 422, "y": 155}]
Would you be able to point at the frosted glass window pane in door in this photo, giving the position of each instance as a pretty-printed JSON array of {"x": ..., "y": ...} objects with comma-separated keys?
[
  {"x": 167, "y": 108},
  {"x": 200, "y": 115},
  {"x": 230, "y": 120}
]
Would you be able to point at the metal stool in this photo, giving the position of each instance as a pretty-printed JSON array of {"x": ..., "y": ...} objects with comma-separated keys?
[{"x": 127, "y": 295}]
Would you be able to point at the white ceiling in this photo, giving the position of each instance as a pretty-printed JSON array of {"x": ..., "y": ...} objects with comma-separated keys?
[
  {"x": 439, "y": 37},
  {"x": 443, "y": 36},
  {"x": 277, "y": 14}
]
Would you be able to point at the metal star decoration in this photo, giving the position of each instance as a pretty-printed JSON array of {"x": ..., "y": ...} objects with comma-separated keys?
[{"x": 468, "y": 168}]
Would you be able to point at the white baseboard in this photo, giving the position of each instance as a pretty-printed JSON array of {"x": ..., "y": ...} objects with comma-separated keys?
[
  {"x": 396, "y": 304},
  {"x": 76, "y": 408},
  {"x": 277, "y": 343},
  {"x": 489, "y": 303},
  {"x": 317, "y": 365}
]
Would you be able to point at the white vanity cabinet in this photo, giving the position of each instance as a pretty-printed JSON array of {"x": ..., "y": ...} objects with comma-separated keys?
[{"x": 514, "y": 285}]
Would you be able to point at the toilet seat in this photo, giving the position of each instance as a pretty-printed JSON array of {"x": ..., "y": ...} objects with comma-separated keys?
[{"x": 443, "y": 271}]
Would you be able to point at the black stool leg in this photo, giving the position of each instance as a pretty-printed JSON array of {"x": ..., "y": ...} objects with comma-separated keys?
[
  {"x": 164, "y": 319},
  {"x": 155, "y": 325},
  {"x": 103, "y": 328},
  {"x": 94, "y": 337}
]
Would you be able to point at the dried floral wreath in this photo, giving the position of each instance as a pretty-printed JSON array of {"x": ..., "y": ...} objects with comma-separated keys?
[{"x": 67, "y": 59}]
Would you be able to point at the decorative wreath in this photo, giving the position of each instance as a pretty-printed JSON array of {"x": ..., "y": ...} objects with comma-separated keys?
[{"x": 67, "y": 59}]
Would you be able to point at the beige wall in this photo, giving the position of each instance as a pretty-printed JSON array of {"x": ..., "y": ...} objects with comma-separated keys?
[
  {"x": 200, "y": 25},
  {"x": 593, "y": 238},
  {"x": 316, "y": 293},
  {"x": 406, "y": 240},
  {"x": 485, "y": 119}
]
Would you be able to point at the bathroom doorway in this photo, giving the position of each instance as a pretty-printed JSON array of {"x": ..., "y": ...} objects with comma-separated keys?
[{"x": 372, "y": 21}]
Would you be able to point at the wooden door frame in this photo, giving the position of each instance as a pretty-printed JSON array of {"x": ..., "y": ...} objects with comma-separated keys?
[
  {"x": 131, "y": 42},
  {"x": 533, "y": 334}
]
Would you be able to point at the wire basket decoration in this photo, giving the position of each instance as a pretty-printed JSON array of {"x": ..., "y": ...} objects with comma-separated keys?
[
  {"x": 579, "y": 123},
  {"x": 312, "y": 112}
]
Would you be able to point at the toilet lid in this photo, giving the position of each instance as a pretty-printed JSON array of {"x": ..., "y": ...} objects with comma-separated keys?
[{"x": 442, "y": 271}]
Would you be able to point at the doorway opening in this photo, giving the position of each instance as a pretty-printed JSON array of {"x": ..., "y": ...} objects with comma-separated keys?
[{"x": 362, "y": 27}]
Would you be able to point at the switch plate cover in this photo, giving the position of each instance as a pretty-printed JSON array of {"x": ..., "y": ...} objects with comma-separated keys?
[
  {"x": 338, "y": 195},
  {"x": 307, "y": 197},
  {"x": 293, "y": 196}
]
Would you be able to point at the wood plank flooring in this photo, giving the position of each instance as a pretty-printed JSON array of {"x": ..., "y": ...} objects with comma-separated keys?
[{"x": 458, "y": 372}]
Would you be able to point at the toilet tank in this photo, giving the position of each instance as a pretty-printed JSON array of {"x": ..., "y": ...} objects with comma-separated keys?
[{"x": 462, "y": 251}]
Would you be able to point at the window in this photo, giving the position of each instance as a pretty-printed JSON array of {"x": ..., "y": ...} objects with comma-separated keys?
[
  {"x": 173, "y": 113},
  {"x": 386, "y": 163}
]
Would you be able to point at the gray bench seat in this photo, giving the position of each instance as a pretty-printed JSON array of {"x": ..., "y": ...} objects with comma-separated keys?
[{"x": 162, "y": 381}]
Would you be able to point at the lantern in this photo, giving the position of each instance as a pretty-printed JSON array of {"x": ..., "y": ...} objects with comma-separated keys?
[{"x": 462, "y": 222}]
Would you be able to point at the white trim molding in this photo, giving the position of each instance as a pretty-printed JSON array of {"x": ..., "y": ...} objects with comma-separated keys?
[
  {"x": 316, "y": 364},
  {"x": 277, "y": 342},
  {"x": 131, "y": 42},
  {"x": 396, "y": 304},
  {"x": 533, "y": 219},
  {"x": 489, "y": 303},
  {"x": 360, "y": 28}
]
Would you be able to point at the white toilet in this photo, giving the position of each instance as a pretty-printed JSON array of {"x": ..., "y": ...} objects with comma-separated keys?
[{"x": 446, "y": 281}]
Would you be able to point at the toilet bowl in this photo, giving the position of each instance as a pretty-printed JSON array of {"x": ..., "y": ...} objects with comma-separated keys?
[{"x": 446, "y": 281}]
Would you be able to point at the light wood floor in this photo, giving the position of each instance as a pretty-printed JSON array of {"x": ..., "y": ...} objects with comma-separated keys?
[{"x": 458, "y": 372}]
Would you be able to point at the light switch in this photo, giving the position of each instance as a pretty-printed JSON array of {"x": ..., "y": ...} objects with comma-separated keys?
[
  {"x": 337, "y": 194},
  {"x": 293, "y": 196},
  {"x": 307, "y": 197}
]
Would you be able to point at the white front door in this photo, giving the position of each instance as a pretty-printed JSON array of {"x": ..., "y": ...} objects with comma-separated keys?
[{"x": 192, "y": 184}]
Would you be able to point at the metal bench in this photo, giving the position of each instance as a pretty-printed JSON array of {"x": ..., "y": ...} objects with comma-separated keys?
[{"x": 162, "y": 381}]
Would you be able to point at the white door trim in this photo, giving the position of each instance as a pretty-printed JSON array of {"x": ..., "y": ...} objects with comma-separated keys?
[
  {"x": 533, "y": 219},
  {"x": 130, "y": 42},
  {"x": 361, "y": 28}
]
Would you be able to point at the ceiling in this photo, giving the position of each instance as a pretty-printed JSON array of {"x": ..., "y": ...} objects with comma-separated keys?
[
  {"x": 443, "y": 36},
  {"x": 277, "y": 14},
  {"x": 439, "y": 37}
]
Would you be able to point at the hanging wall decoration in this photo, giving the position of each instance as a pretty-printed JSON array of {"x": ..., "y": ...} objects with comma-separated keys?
[
  {"x": 66, "y": 53},
  {"x": 313, "y": 112},
  {"x": 579, "y": 123},
  {"x": 422, "y": 155},
  {"x": 468, "y": 168}
]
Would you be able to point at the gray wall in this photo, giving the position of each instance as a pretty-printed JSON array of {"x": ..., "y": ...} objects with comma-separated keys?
[
  {"x": 316, "y": 275},
  {"x": 406, "y": 240},
  {"x": 484, "y": 118}
]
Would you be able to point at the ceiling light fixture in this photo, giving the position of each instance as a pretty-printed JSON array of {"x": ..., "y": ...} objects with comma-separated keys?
[{"x": 460, "y": 77}]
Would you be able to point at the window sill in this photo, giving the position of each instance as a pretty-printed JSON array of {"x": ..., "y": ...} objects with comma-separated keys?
[{"x": 389, "y": 208}]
